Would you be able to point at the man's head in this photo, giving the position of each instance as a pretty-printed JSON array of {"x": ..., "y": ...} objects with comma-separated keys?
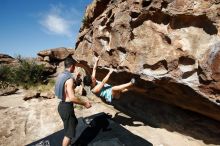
[
  {"x": 87, "y": 80},
  {"x": 70, "y": 63}
]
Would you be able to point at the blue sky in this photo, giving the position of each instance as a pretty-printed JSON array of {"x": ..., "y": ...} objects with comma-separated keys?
[{"x": 29, "y": 26}]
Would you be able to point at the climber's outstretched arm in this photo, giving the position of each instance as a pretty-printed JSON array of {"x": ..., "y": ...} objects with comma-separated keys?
[
  {"x": 95, "y": 67},
  {"x": 99, "y": 86}
]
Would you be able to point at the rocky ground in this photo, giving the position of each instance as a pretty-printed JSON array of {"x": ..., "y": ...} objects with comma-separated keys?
[{"x": 24, "y": 122}]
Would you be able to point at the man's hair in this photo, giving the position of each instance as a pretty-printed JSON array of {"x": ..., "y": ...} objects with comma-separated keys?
[
  {"x": 87, "y": 80},
  {"x": 69, "y": 61}
]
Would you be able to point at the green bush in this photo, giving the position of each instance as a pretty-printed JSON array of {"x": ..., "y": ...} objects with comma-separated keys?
[
  {"x": 26, "y": 74},
  {"x": 6, "y": 73},
  {"x": 45, "y": 87}
]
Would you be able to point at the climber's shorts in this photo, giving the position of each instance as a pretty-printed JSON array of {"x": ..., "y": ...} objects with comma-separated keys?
[
  {"x": 106, "y": 93},
  {"x": 66, "y": 112}
]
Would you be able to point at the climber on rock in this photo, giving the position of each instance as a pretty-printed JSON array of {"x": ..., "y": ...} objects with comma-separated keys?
[{"x": 104, "y": 90}]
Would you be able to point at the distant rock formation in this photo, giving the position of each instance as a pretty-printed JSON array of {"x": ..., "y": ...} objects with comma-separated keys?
[
  {"x": 172, "y": 46},
  {"x": 56, "y": 54},
  {"x": 52, "y": 58},
  {"x": 6, "y": 59}
]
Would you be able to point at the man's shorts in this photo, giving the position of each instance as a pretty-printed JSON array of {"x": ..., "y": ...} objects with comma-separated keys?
[{"x": 66, "y": 112}]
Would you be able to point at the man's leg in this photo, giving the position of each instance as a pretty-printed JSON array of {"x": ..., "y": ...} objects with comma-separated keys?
[{"x": 66, "y": 141}]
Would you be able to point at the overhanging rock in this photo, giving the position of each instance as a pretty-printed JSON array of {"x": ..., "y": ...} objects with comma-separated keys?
[{"x": 171, "y": 46}]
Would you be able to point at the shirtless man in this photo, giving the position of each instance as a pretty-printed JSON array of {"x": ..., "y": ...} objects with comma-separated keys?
[{"x": 64, "y": 91}]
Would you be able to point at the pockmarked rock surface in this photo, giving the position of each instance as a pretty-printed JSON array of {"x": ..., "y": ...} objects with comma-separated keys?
[{"x": 172, "y": 47}]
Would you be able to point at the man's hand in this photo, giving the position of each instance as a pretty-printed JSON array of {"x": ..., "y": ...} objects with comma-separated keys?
[
  {"x": 78, "y": 75},
  {"x": 87, "y": 104},
  {"x": 78, "y": 80}
]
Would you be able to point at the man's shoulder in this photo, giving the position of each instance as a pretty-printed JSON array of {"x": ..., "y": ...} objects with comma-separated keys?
[
  {"x": 65, "y": 74},
  {"x": 69, "y": 80}
]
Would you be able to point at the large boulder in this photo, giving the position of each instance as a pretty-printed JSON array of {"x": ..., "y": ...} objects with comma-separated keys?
[
  {"x": 51, "y": 58},
  {"x": 55, "y": 54},
  {"x": 48, "y": 68},
  {"x": 172, "y": 46}
]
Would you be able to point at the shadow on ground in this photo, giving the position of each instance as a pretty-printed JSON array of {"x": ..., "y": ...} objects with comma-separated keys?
[
  {"x": 101, "y": 131},
  {"x": 161, "y": 115}
]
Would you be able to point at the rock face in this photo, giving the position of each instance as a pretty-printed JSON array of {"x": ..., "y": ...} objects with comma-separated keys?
[{"x": 172, "y": 46}]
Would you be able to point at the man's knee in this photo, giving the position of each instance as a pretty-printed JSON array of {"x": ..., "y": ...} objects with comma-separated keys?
[{"x": 66, "y": 141}]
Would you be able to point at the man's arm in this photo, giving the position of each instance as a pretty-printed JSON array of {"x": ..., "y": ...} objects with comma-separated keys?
[
  {"x": 72, "y": 97},
  {"x": 107, "y": 76}
]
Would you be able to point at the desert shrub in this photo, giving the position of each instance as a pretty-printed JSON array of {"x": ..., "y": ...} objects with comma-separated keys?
[
  {"x": 6, "y": 73},
  {"x": 26, "y": 74},
  {"x": 45, "y": 87}
]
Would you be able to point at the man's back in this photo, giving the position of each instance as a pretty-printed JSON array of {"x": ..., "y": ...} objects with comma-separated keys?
[{"x": 60, "y": 84}]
